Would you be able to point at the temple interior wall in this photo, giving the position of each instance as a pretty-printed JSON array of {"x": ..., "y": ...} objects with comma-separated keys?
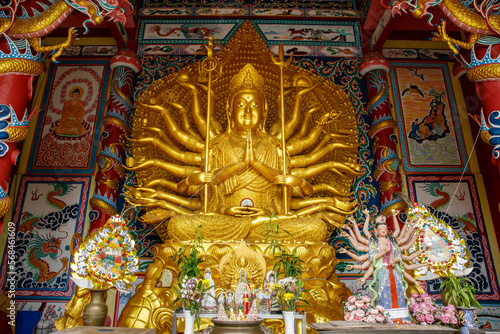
[{"x": 51, "y": 192}]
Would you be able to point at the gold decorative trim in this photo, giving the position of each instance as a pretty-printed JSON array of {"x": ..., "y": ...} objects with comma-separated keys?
[
  {"x": 116, "y": 121},
  {"x": 378, "y": 96},
  {"x": 484, "y": 72},
  {"x": 398, "y": 206},
  {"x": 5, "y": 206},
  {"x": 17, "y": 133},
  {"x": 22, "y": 66},
  {"x": 389, "y": 123},
  {"x": 95, "y": 202}
]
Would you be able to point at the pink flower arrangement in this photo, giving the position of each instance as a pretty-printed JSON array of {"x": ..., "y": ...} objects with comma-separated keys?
[
  {"x": 426, "y": 312},
  {"x": 359, "y": 308}
]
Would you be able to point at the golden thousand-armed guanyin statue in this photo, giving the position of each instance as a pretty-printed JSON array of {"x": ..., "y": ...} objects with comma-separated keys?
[
  {"x": 243, "y": 167},
  {"x": 226, "y": 142}
]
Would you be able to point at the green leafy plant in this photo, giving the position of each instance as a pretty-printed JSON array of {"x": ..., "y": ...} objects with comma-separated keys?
[
  {"x": 288, "y": 264},
  {"x": 460, "y": 291},
  {"x": 191, "y": 286},
  {"x": 187, "y": 257}
]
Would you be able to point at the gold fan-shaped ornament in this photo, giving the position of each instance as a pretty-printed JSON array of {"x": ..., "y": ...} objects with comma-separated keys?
[{"x": 446, "y": 251}]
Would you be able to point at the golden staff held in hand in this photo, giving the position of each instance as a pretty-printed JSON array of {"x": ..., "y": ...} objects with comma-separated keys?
[
  {"x": 282, "y": 63},
  {"x": 209, "y": 64}
]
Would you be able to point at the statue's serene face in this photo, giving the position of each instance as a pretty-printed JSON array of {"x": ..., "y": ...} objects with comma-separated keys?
[
  {"x": 247, "y": 113},
  {"x": 382, "y": 230}
]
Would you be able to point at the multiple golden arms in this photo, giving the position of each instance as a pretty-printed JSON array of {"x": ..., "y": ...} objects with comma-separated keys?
[
  {"x": 314, "y": 157},
  {"x": 186, "y": 123},
  {"x": 293, "y": 122},
  {"x": 151, "y": 196},
  {"x": 198, "y": 115},
  {"x": 171, "y": 185},
  {"x": 159, "y": 132},
  {"x": 296, "y": 146},
  {"x": 190, "y": 142},
  {"x": 344, "y": 170},
  {"x": 188, "y": 158},
  {"x": 174, "y": 169},
  {"x": 323, "y": 187},
  {"x": 306, "y": 122}
]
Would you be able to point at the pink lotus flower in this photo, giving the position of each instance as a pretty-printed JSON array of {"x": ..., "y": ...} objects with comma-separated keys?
[
  {"x": 429, "y": 318},
  {"x": 453, "y": 321},
  {"x": 379, "y": 318},
  {"x": 371, "y": 319},
  {"x": 380, "y": 308},
  {"x": 358, "y": 303},
  {"x": 450, "y": 314},
  {"x": 351, "y": 307},
  {"x": 414, "y": 295},
  {"x": 357, "y": 318},
  {"x": 421, "y": 318},
  {"x": 348, "y": 317},
  {"x": 365, "y": 307},
  {"x": 373, "y": 311},
  {"x": 351, "y": 299},
  {"x": 428, "y": 300},
  {"x": 412, "y": 301},
  {"x": 359, "y": 313},
  {"x": 451, "y": 307},
  {"x": 365, "y": 299},
  {"x": 445, "y": 319},
  {"x": 424, "y": 295}
]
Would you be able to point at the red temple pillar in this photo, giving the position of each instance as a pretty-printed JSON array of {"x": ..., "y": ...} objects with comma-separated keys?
[
  {"x": 17, "y": 70},
  {"x": 374, "y": 67},
  {"x": 115, "y": 124}
]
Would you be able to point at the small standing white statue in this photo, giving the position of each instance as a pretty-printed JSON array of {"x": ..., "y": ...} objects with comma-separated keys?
[{"x": 209, "y": 302}]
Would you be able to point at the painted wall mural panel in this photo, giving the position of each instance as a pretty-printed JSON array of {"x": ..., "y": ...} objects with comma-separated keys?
[
  {"x": 307, "y": 39},
  {"x": 49, "y": 210},
  {"x": 182, "y": 5},
  {"x": 310, "y": 32},
  {"x": 428, "y": 124},
  {"x": 68, "y": 127},
  {"x": 457, "y": 203},
  {"x": 185, "y": 31}
]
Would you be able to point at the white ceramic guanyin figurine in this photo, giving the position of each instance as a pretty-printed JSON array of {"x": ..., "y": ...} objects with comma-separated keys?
[{"x": 209, "y": 302}]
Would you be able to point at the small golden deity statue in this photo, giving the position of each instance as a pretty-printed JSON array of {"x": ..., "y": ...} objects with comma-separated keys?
[{"x": 244, "y": 169}]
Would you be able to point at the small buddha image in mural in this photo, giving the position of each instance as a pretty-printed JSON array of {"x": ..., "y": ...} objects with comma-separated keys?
[
  {"x": 73, "y": 112},
  {"x": 433, "y": 126}
]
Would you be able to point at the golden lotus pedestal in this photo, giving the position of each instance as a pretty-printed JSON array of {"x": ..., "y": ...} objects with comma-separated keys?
[{"x": 152, "y": 304}]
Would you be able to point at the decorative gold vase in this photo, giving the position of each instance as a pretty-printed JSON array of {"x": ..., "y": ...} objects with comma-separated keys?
[{"x": 96, "y": 311}]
